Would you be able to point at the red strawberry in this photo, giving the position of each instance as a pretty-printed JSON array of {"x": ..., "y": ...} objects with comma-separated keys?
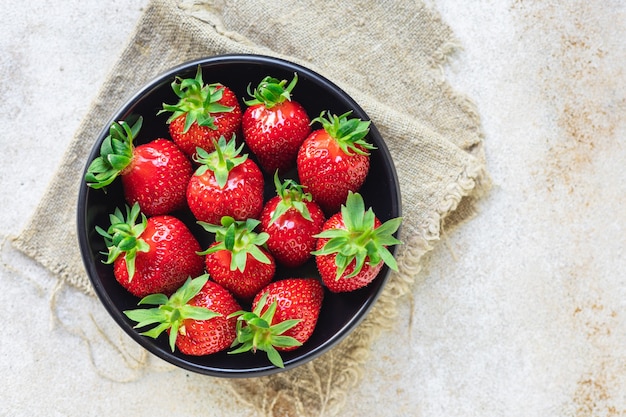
[
  {"x": 203, "y": 113},
  {"x": 352, "y": 247},
  {"x": 274, "y": 126},
  {"x": 154, "y": 174},
  {"x": 334, "y": 160},
  {"x": 154, "y": 255},
  {"x": 225, "y": 184},
  {"x": 195, "y": 316},
  {"x": 284, "y": 315},
  {"x": 236, "y": 260},
  {"x": 291, "y": 219}
]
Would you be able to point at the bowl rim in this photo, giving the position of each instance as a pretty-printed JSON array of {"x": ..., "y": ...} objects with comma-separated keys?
[{"x": 107, "y": 301}]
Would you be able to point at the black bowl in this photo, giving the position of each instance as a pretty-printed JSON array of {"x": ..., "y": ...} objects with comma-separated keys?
[{"x": 341, "y": 313}]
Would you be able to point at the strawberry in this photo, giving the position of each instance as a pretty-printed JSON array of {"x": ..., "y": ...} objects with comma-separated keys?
[
  {"x": 237, "y": 260},
  {"x": 283, "y": 317},
  {"x": 352, "y": 247},
  {"x": 291, "y": 219},
  {"x": 195, "y": 317},
  {"x": 334, "y": 160},
  {"x": 154, "y": 175},
  {"x": 203, "y": 113},
  {"x": 152, "y": 255},
  {"x": 274, "y": 126},
  {"x": 225, "y": 184}
]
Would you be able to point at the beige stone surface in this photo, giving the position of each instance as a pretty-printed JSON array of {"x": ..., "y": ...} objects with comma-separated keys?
[{"x": 519, "y": 312}]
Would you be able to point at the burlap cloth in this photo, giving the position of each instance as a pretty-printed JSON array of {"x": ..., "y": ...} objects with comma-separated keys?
[{"x": 389, "y": 57}]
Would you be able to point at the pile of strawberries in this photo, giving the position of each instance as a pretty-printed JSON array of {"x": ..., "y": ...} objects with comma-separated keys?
[{"x": 198, "y": 293}]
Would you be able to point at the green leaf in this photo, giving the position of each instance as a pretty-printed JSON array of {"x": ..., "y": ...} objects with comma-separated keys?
[
  {"x": 191, "y": 288},
  {"x": 130, "y": 264},
  {"x": 155, "y": 299},
  {"x": 342, "y": 263},
  {"x": 156, "y": 331},
  {"x": 333, "y": 233},
  {"x": 268, "y": 315},
  {"x": 230, "y": 236},
  {"x": 281, "y": 208},
  {"x": 261, "y": 304},
  {"x": 274, "y": 357},
  {"x": 286, "y": 341},
  {"x": 389, "y": 227},
  {"x": 258, "y": 322},
  {"x": 173, "y": 335},
  {"x": 211, "y": 228},
  {"x": 98, "y": 165},
  {"x": 258, "y": 255},
  {"x": 283, "y": 326},
  {"x": 260, "y": 239},
  {"x": 359, "y": 261},
  {"x": 127, "y": 243},
  {"x": 145, "y": 317},
  {"x": 235, "y": 314},
  {"x": 238, "y": 261},
  {"x": 119, "y": 162},
  {"x": 134, "y": 130},
  {"x": 388, "y": 258},
  {"x": 368, "y": 221},
  {"x": 387, "y": 240},
  {"x": 221, "y": 177},
  {"x": 106, "y": 147},
  {"x": 353, "y": 211},
  {"x": 245, "y": 347},
  {"x": 198, "y": 313}
]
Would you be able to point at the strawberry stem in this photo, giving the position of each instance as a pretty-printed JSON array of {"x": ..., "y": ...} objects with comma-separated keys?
[
  {"x": 197, "y": 101},
  {"x": 255, "y": 331},
  {"x": 360, "y": 241},
  {"x": 291, "y": 195},
  {"x": 173, "y": 311},
  {"x": 116, "y": 153},
  {"x": 221, "y": 161},
  {"x": 239, "y": 238},
  {"x": 271, "y": 91},
  {"x": 349, "y": 133},
  {"x": 123, "y": 237}
]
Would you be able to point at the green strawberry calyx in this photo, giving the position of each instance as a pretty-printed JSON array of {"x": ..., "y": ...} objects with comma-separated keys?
[
  {"x": 359, "y": 241},
  {"x": 349, "y": 133},
  {"x": 171, "y": 312},
  {"x": 123, "y": 237},
  {"x": 271, "y": 92},
  {"x": 197, "y": 100},
  {"x": 116, "y": 154},
  {"x": 221, "y": 161},
  {"x": 255, "y": 331},
  {"x": 291, "y": 195},
  {"x": 239, "y": 238}
]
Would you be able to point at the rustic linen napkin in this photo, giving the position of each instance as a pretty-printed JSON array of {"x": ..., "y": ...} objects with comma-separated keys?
[{"x": 389, "y": 57}]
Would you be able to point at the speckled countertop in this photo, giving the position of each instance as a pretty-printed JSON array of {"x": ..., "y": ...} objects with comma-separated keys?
[{"x": 519, "y": 312}]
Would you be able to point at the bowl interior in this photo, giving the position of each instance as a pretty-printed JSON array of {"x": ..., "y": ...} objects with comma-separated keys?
[{"x": 340, "y": 312}]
